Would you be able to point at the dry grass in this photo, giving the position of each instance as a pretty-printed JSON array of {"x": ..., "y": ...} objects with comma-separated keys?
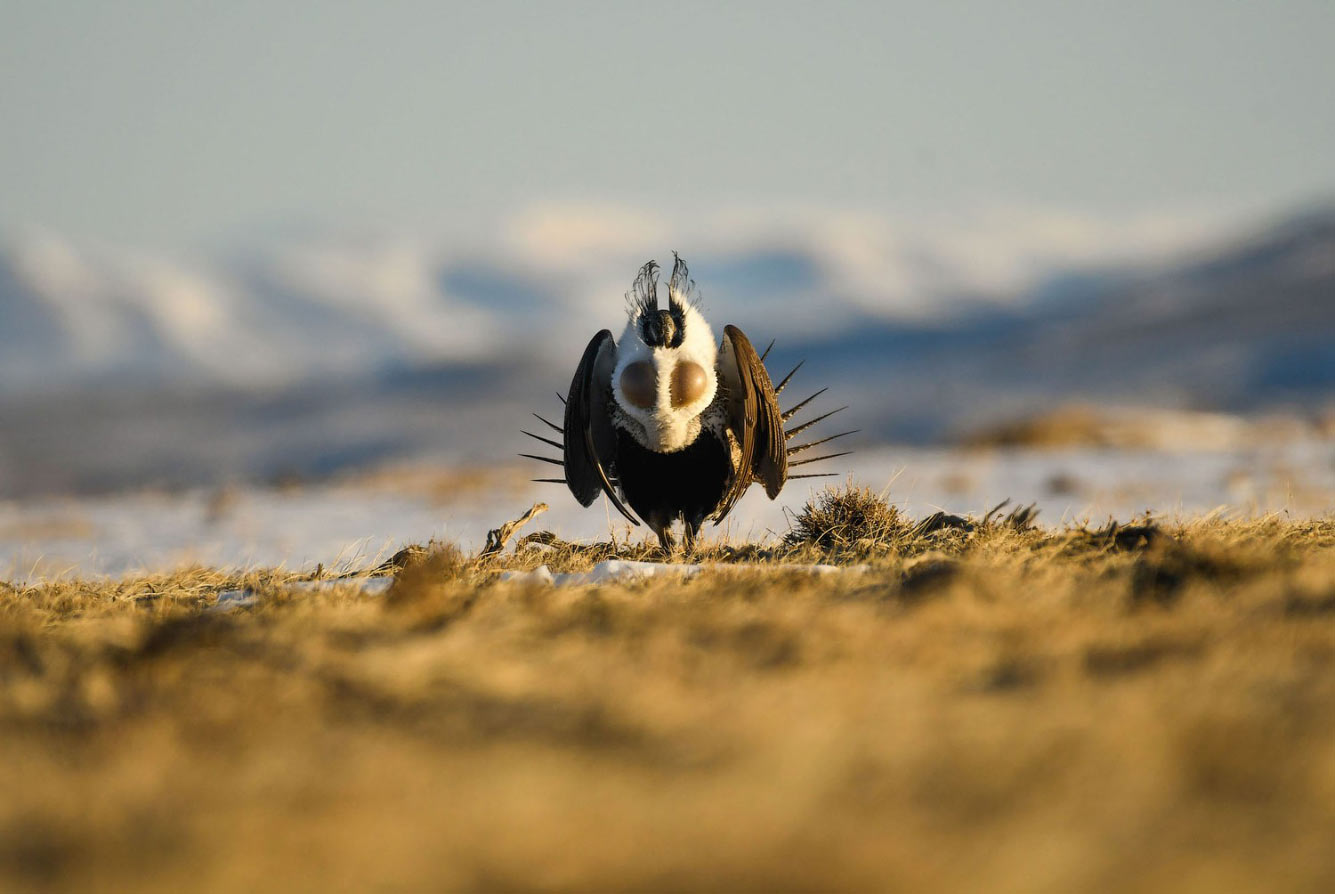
[
  {"x": 1077, "y": 425},
  {"x": 846, "y": 521},
  {"x": 988, "y": 707}
]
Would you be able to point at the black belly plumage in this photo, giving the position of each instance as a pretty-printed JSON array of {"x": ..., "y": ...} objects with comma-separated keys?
[{"x": 661, "y": 487}]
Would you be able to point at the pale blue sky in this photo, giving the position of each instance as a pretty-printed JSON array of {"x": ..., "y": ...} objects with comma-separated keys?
[{"x": 171, "y": 122}]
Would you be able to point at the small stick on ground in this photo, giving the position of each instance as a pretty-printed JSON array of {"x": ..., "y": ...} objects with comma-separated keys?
[{"x": 498, "y": 537}]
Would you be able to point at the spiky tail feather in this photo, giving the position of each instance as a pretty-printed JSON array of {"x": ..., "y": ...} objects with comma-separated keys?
[
  {"x": 549, "y": 442},
  {"x": 796, "y": 430}
]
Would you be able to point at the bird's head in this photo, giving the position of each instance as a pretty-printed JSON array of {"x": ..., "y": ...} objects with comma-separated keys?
[{"x": 665, "y": 373}]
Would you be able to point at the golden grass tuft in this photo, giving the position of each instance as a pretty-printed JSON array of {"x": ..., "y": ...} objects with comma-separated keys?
[{"x": 846, "y": 519}]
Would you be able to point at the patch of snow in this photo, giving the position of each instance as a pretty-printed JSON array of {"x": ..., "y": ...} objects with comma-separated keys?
[
  {"x": 620, "y": 571},
  {"x": 540, "y": 575},
  {"x": 609, "y": 572},
  {"x": 228, "y": 600},
  {"x": 367, "y": 586}
]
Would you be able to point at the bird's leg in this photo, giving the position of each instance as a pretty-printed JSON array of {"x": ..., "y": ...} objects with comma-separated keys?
[
  {"x": 665, "y": 539},
  {"x": 689, "y": 531}
]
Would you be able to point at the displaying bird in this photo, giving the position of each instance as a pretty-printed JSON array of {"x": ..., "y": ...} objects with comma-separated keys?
[{"x": 671, "y": 423}]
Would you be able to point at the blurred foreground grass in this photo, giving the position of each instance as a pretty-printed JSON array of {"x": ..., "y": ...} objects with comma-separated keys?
[{"x": 987, "y": 706}]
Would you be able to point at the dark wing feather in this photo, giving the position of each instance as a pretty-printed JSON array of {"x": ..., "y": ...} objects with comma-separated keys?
[
  {"x": 754, "y": 418},
  {"x": 590, "y": 439}
]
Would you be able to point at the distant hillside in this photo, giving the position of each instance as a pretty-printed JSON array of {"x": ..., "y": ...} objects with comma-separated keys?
[
  {"x": 1248, "y": 326},
  {"x": 118, "y": 371},
  {"x": 300, "y": 311}
]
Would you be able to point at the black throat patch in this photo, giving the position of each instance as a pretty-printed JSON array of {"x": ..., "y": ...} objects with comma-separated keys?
[{"x": 663, "y": 329}]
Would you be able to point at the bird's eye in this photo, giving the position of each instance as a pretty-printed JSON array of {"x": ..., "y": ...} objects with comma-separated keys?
[
  {"x": 689, "y": 383},
  {"x": 640, "y": 384}
]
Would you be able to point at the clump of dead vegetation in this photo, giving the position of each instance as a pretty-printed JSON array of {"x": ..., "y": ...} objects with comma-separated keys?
[
  {"x": 854, "y": 523},
  {"x": 1142, "y": 705},
  {"x": 851, "y": 518}
]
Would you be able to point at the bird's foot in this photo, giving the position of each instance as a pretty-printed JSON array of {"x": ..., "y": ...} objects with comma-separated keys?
[{"x": 666, "y": 543}]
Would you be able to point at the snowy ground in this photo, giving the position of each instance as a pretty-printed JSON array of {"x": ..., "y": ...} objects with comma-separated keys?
[{"x": 356, "y": 522}]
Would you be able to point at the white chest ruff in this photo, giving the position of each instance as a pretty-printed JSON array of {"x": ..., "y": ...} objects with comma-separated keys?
[
  {"x": 666, "y": 423},
  {"x": 675, "y": 434}
]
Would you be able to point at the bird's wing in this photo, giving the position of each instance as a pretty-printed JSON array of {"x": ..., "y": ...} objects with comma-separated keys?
[
  {"x": 590, "y": 440},
  {"x": 754, "y": 418}
]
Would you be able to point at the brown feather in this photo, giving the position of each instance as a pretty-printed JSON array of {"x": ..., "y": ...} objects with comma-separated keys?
[
  {"x": 816, "y": 459},
  {"x": 798, "y": 448},
  {"x": 542, "y": 459},
  {"x": 590, "y": 441},
  {"x": 755, "y": 420},
  {"x": 789, "y": 414},
  {"x": 552, "y": 425},
  {"x": 778, "y": 389},
  {"x": 797, "y": 430},
  {"x": 547, "y": 441}
]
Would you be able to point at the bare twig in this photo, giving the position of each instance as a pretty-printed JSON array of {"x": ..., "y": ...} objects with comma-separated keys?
[{"x": 498, "y": 537}]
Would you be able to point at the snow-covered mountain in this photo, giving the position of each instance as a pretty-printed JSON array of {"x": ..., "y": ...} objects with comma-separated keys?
[
  {"x": 1243, "y": 325},
  {"x": 95, "y": 317},
  {"x": 336, "y": 306},
  {"x": 313, "y": 355}
]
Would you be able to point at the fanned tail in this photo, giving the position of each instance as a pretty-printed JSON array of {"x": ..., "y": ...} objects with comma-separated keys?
[
  {"x": 559, "y": 445},
  {"x": 796, "y": 430}
]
